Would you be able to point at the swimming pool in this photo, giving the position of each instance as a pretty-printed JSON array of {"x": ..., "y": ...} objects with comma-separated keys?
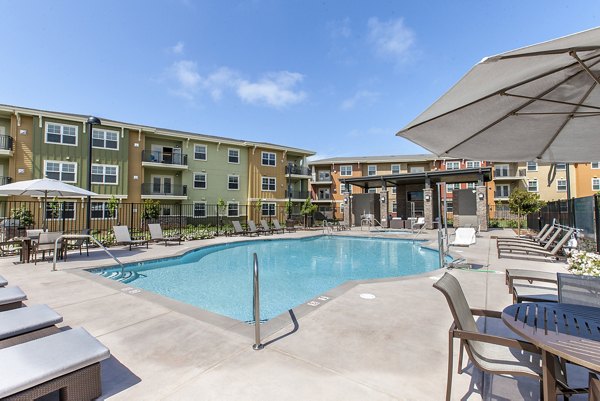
[{"x": 292, "y": 271}]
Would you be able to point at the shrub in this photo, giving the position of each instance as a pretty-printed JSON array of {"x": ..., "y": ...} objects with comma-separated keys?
[{"x": 584, "y": 263}]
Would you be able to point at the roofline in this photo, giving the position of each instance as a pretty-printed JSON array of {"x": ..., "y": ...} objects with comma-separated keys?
[
  {"x": 424, "y": 175},
  {"x": 155, "y": 130},
  {"x": 383, "y": 159}
]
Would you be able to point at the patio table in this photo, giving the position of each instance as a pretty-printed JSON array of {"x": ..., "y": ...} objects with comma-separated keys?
[{"x": 571, "y": 332}]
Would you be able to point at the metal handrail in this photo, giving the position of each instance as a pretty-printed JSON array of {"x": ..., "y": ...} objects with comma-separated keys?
[
  {"x": 84, "y": 236},
  {"x": 256, "y": 307}
]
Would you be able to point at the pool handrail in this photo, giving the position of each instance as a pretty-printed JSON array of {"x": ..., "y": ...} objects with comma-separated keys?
[{"x": 84, "y": 236}]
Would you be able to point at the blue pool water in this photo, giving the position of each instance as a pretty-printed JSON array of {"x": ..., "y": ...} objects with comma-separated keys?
[{"x": 292, "y": 271}]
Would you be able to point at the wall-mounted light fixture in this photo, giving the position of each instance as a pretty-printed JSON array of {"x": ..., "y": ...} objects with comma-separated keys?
[
  {"x": 427, "y": 197},
  {"x": 481, "y": 195}
]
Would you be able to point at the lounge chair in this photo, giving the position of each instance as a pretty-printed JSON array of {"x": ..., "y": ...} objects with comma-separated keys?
[
  {"x": 68, "y": 361},
  {"x": 417, "y": 224},
  {"x": 45, "y": 243},
  {"x": 3, "y": 282},
  {"x": 548, "y": 237},
  {"x": 464, "y": 236},
  {"x": 252, "y": 228},
  {"x": 11, "y": 298},
  {"x": 528, "y": 238},
  {"x": 26, "y": 324},
  {"x": 534, "y": 293},
  {"x": 122, "y": 237},
  {"x": 579, "y": 289},
  {"x": 266, "y": 228},
  {"x": 156, "y": 234},
  {"x": 539, "y": 251},
  {"x": 277, "y": 228},
  {"x": 529, "y": 275},
  {"x": 489, "y": 353},
  {"x": 237, "y": 228}
]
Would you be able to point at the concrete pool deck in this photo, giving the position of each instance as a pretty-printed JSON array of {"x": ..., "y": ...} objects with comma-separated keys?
[{"x": 392, "y": 347}]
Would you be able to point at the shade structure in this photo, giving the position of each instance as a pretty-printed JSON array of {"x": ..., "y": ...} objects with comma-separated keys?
[
  {"x": 537, "y": 103},
  {"x": 43, "y": 187}
]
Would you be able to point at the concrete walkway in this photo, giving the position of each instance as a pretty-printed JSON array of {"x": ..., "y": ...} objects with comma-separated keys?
[{"x": 392, "y": 347}]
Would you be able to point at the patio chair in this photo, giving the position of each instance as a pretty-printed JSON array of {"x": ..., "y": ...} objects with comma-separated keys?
[
  {"x": 78, "y": 244},
  {"x": 122, "y": 237},
  {"x": 528, "y": 238},
  {"x": 548, "y": 237},
  {"x": 529, "y": 275},
  {"x": 252, "y": 229},
  {"x": 237, "y": 228},
  {"x": 539, "y": 251},
  {"x": 544, "y": 244},
  {"x": 3, "y": 282},
  {"x": 489, "y": 353},
  {"x": 11, "y": 298},
  {"x": 25, "y": 324},
  {"x": 33, "y": 234},
  {"x": 464, "y": 236},
  {"x": 417, "y": 224},
  {"x": 266, "y": 228},
  {"x": 10, "y": 247},
  {"x": 579, "y": 289},
  {"x": 45, "y": 243},
  {"x": 68, "y": 361},
  {"x": 156, "y": 234},
  {"x": 277, "y": 227}
]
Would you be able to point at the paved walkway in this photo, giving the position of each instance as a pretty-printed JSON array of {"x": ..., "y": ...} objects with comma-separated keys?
[{"x": 392, "y": 347}]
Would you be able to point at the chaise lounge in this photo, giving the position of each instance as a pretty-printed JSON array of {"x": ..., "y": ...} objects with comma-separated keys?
[
  {"x": 26, "y": 324},
  {"x": 123, "y": 238},
  {"x": 156, "y": 234},
  {"x": 11, "y": 298}
]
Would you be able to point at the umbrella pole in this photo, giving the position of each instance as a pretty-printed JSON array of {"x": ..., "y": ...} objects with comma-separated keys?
[{"x": 45, "y": 225}]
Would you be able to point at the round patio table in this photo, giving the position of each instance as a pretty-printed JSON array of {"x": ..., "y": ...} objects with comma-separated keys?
[{"x": 571, "y": 332}]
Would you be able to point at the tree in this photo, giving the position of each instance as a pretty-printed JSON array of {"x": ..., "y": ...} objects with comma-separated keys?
[
  {"x": 523, "y": 203},
  {"x": 308, "y": 208},
  {"x": 151, "y": 209}
]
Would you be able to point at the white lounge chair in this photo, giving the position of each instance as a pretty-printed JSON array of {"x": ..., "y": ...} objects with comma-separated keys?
[
  {"x": 11, "y": 298},
  {"x": 122, "y": 237},
  {"x": 464, "y": 236},
  {"x": 26, "y": 324}
]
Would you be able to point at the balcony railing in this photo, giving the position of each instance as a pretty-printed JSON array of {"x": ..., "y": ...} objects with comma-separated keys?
[
  {"x": 6, "y": 142},
  {"x": 5, "y": 180},
  {"x": 297, "y": 194},
  {"x": 164, "y": 158},
  {"x": 323, "y": 178},
  {"x": 500, "y": 173},
  {"x": 323, "y": 197},
  {"x": 164, "y": 189},
  {"x": 297, "y": 170},
  {"x": 499, "y": 194}
]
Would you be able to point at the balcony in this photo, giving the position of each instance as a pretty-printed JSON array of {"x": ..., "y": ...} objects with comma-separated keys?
[
  {"x": 164, "y": 191},
  {"x": 6, "y": 145},
  {"x": 297, "y": 194},
  {"x": 297, "y": 171},
  {"x": 501, "y": 195},
  {"x": 323, "y": 198},
  {"x": 510, "y": 174},
  {"x": 323, "y": 179},
  {"x": 173, "y": 161}
]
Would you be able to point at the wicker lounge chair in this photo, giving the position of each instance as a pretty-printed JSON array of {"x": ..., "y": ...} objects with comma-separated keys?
[
  {"x": 539, "y": 251},
  {"x": 122, "y": 237},
  {"x": 26, "y": 324},
  {"x": 68, "y": 361},
  {"x": 11, "y": 298},
  {"x": 156, "y": 234},
  {"x": 489, "y": 353}
]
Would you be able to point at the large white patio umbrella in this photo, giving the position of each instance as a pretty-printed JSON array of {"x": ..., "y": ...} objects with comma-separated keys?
[
  {"x": 43, "y": 187},
  {"x": 541, "y": 102}
]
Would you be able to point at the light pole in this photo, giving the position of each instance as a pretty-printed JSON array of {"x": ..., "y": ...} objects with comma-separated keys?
[
  {"x": 289, "y": 205},
  {"x": 91, "y": 121}
]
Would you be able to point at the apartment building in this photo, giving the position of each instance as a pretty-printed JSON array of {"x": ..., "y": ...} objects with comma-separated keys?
[
  {"x": 587, "y": 178},
  {"x": 135, "y": 162}
]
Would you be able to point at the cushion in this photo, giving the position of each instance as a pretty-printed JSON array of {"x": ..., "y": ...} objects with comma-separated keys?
[{"x": 24, "y": 320}]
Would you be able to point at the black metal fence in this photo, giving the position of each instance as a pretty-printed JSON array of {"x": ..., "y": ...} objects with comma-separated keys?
[
  {"x": 191, "y": 221},
  {"x": 581, "y": 213}
]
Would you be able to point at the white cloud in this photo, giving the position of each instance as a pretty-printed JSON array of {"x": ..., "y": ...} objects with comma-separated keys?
[
  {"x": 391, "y": 39},
  {"x": 223, "y": 78},
  {"x": 274, "y": 89},
  {"x": 361, "y": 96},
  {"x": 186, "y": 77},
  {"x": 178, "y": 48}
]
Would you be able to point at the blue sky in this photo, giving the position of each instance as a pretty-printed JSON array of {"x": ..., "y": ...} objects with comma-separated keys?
[{"x": 337, "y": 77}]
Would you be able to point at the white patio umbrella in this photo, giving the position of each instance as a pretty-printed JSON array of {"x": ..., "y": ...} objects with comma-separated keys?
[
  {"x": 43, "y": 187},
  {"x": 541, "y": 102}
]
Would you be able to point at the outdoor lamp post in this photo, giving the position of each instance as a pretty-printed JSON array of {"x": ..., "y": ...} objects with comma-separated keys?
[
  {"x": 289, "y": 205},
  {"x": 91, "y": 121}
]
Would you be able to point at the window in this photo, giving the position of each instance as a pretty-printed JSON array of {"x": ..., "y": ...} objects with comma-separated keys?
[
  {"x": 372, "y": 190},
  {"x": 471, "y": 185},
  {"x": 233, "y": 182},
  {"x": 561, "y": 185},
  {"x": 61, "y": 134},
  {"x": 345, "y": 189},
  {"x": 346, "y": 170},
  {"x": 394, "y": 188},
  {"x": 501, "y": 170},
  {"x": 268, "y": 209},
  {"x": 60, "y": 210},
  {"x": 532, "y": 166},
  {"x": 452, "y": 187},
  {"x": 166, "y": 211},
  {"x": 394, "y": 207},
  {"x": 395, "y": 169},
  {"x": 502, "y": 191},
  {"x": 452, "y": 165},
  {"x": 595, "y": 165},
  {"x": 372, "y": 170},
  {"x": 199, "y": 209},
  {"x": 532, "y": 185},
  {"x": 104, "y": 139},
  {"x": 199, "y": 180},
  {"x": 595, "y": 184},
  {"x": 561, "y": 166},
  {"x": 100, "y": 210},
  {"x": 324, "y": 175},
  {"x": 268, "y": 183},
  {"x": 200, "y": 152},
  {"x": 104, "y": 174},
  {"x": 268, "y": 158},
  {"x": 449, "y": 207},
  {"x": 234, "y": 156},
  {"x": 233, "y": 209},
  {"x": 61, "y": 171},
  {"x": 473, "y": 164},
  {"x": 417, "y": 169}
]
